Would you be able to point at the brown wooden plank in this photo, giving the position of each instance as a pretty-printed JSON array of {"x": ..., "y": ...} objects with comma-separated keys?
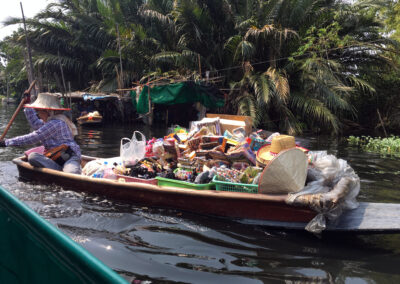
[{"x": 229, "y": 116}]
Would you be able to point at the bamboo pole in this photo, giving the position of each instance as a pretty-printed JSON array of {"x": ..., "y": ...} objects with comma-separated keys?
[{"x": 21, "y": 104}]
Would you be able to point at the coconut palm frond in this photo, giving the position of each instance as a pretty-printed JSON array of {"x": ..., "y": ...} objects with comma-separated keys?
[
  {"x": 231, "y": 45},
  {"x": 151, "y": 14},
  {"x": 245, "y": 24},
  {"x": 288, "y": 122},
  {"x": 255, "y": 33},
  {"x": 279, "y": 82},
  {"x": 246, "y": 105},
  {"x": 361, "y": 84},
  {"x": 260, "y": 84},
  {"x": 168, "y": 57},
  {"x": 269, "y": 11},
  {"x": 314, "y": 111},
  {"x": 245, "y": 51}
]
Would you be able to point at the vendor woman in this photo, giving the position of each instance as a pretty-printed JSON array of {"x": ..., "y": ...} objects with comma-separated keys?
[{"x": 54, "y": 131}]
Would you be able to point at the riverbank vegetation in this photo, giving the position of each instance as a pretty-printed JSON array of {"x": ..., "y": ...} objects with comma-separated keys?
[
  {"x": 389, "y": 146},
  {"x": 293, "y": 65}
]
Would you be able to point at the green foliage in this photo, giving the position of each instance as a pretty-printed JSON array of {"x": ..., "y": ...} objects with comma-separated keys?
[
  {"x": 14, "y": 72},
  {"x": 389, "y": 146},
  {"x": 293, "y": 65},
  {"x": 392, "y": 12},
  {"x": 318, "y": 42}
]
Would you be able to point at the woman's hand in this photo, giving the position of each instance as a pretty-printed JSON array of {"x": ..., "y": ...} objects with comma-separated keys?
[
  {"x": 2, "y": 143},
  {"x": 27, "y": 97}
]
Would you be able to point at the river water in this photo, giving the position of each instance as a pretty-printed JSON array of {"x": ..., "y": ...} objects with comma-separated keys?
[{"x": 147, "y": 245}]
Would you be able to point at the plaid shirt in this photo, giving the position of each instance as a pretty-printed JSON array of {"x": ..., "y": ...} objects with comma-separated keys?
[{"x": 51, "y": 134}]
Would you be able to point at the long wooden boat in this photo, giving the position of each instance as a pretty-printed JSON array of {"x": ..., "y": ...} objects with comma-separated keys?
[
  {"x": 270, "y": 210},
  {"x": 92, "y": 120},
  {"x": 34, "y": 251}
]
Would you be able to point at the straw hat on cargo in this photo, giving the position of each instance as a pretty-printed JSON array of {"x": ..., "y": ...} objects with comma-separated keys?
[
  {"x": 278, "y": 144},
  {"x": 285, "y": 173},
  {"x": 46, "y": 101}
]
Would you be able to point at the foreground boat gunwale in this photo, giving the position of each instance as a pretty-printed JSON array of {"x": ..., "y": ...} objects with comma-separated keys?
[{"x": 57, "y": 249}]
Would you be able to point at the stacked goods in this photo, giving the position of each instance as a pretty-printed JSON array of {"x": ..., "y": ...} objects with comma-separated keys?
[
  {"x": 217, "y": 153},
  {"x": 223, "y": 155}
]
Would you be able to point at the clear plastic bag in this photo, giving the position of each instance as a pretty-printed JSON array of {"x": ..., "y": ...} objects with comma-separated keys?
[
  {"x": 97, "y": 166},
  {"x": 132, "y": 150},
  {"x": 332, "y": 189}
]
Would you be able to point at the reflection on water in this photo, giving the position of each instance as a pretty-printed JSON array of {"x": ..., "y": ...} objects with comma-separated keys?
[{"x": 166, "y": 246}]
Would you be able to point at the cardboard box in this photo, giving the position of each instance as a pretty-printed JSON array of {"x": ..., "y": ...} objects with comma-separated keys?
[{"x": 230, "y": 122}]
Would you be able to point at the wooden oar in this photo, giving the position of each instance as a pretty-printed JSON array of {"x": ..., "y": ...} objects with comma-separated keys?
[{"x": 21, "y": 104}]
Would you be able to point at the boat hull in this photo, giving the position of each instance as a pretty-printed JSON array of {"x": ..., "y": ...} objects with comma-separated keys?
[
  {"x": 34, "y": 251},
  {"x": 209, "y": 202},
  {"x": 92, "y": 121}
]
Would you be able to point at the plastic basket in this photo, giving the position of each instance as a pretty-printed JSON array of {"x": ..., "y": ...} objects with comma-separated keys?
[
  {"x": 257, "y": 143},
  {"x": 234, "y": 187},
  {"x": 135, "y": 179},
  {"x": 183, "y": 184}
]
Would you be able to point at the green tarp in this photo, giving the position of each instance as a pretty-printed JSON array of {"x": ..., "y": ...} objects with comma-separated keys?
[{"x": 179, "y": 93}]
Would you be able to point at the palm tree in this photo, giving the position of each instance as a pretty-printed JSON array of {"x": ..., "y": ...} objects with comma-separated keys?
[
  {"x": 189, "y": 34},
  {"x": 295, "y": 71},
  {"x": 291, "y": 64}
]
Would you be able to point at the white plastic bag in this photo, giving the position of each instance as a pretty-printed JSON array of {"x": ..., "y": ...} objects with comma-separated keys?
[
  {"x": 133, "y": 150},
  {"x": 328, "y": 173},
  {"x": 97, "y": 165}
]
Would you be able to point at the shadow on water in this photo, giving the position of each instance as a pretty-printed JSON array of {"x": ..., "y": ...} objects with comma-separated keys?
[{"x": 169, "y": 246}]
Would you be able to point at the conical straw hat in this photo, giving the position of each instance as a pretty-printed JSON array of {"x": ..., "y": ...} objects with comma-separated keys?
[
  {"x": 46, "y": 101},
  {"x": 278, "y": 144},
  {"x": 285, "y": 173}
]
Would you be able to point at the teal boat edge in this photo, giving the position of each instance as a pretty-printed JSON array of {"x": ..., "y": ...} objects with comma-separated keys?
[{"x": 34, "y": 251}]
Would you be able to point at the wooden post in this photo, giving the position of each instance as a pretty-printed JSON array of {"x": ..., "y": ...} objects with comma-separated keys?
[
  {"x": 31, "y": 78},
  {"x": 7, "y": 89},
  {"x": 120, "y": 59},
  {"x": 383, "y": 125},
  {"x": 62, "y": 76},
  {"x": 70, "y": 94},
  {"x": 198, "y": 55}
]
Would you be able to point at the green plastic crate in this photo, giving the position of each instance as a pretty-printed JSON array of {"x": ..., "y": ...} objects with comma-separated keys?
[
  {"x": 234, "y": 187},
  {"x": 183, "y": 184}
]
